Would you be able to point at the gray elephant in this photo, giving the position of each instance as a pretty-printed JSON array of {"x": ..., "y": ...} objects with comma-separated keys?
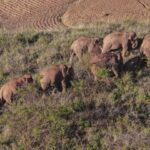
[
  {"x": 145, "y": 47},
  {"x": 56, "y": 76},
  {"x": 112, "y": 61},
  {"x": 117, "y": 40},
  {"x": 84, "y": 45}
]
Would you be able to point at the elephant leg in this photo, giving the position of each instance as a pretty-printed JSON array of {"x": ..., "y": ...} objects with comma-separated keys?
[
  {"x": 142, "y": 51},
  {"x": 125, "y": 51},
  {"x": 14, "y": 91},
  {"x": 7, "y": 95},
  {"x": 63, "y": 83},
  {"x": 94, "y": 72},
  {"x": 71, "y": 58},
  {"x": 79, "y": 55},
  {"x": 115, "y": 71},
  {"x": 95, "y": 78}
]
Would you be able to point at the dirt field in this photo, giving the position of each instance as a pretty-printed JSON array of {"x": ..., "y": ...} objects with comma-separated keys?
[
  {"x": 55, "y": 14},
  {"x": 36, "y": 14},
  {"x": 100, "y": 10}
]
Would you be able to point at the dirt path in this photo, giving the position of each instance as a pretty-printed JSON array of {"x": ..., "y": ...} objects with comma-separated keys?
[{"x": 43, "y": 15}]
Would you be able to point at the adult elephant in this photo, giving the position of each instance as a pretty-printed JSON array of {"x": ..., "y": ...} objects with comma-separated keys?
[
  {"x": 117, "y": 40},
  {"x": 84, "y": 45},
  {"x": 145, "y": 47},
  {"x": 56, "y": 76},
  {"x": 112, "y": 61}
]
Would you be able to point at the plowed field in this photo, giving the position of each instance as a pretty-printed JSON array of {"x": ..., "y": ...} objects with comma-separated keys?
[
  {"x": 98, "y": 10},
  {"x": 45, "y": 15},
  {"x": 36, "y": 14}
]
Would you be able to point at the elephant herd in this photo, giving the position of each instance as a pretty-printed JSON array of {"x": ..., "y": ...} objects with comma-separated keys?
[{"x": 107, "y": 56}]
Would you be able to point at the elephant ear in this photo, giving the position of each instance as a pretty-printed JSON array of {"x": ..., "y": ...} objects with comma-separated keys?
[{"x": 132, "y": 35}]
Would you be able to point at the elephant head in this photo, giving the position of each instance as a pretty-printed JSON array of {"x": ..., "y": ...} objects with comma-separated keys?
[
  {"x": 94, "y": 46},
  {"x": 25, "y": 79},
  {"x": 28, "y": 78},
  {"x": 68, "y": 74},
  {"x": 133, "y": 39},
  {"x": 67, "y": 71}
]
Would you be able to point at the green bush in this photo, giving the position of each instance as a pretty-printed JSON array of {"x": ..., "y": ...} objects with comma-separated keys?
[{"x": 78, "y": 105}]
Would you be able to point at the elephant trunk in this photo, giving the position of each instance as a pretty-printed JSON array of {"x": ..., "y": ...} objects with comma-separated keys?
[{"x": 134, "y": 44}]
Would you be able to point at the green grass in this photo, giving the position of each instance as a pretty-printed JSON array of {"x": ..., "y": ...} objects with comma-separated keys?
[{"x": 89, "y": 116}]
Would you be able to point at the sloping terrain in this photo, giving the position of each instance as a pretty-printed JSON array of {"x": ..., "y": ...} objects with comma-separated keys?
[
  {"x": 87, "y": 11},
  {"x": 90, "y": 115},
  {"x": 43, "y": 15},
  {"x": 36, "y": 14}
]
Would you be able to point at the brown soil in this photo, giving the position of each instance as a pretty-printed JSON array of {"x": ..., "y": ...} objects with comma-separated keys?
[
  {"x": 55, "y": 14},
  {"x": 36, "y": 14},
  {"x": 87, "y": 11}
]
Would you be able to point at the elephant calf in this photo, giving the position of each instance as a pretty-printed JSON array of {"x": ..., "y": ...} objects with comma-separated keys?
[
  {"x": 145, "y": 47},
  {"x": 56, "y": 76},
  {"x": 84, "y": 45},
  {"x": 110, "y": 61},
  {"x": 10, "y": 88},
  {"x": 117, "y": 40}
]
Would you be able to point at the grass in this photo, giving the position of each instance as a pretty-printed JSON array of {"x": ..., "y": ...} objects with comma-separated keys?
[{"x": 89, "y": 116}]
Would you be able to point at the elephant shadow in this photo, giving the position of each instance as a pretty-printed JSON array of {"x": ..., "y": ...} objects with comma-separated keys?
[
  {"x": 2, "y": 102},
  {"x": 140, "y": 41},
  {"x": 135, "y": 64}
]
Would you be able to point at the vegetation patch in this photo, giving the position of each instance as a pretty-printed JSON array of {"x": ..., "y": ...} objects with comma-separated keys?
[{"x": 90, "y": 115}]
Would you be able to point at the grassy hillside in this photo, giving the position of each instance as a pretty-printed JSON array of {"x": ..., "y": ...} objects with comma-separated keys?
[{"x": 89, "y": 116}]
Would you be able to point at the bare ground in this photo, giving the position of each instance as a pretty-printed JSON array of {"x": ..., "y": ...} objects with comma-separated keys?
[
  {"x": 43, "y": 15},
  {"x": 87, "y": 11}
]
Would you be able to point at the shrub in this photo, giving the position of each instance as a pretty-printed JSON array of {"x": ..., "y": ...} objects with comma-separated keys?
[{"x": 78, "y": 105}]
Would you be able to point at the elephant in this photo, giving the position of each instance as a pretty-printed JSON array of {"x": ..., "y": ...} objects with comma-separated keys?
[
  {"x": 84, "y": 45},
  {"x": 10, "y": 88},
  {"x": 117, "y": 40},
  {"x": 112, "y": 61},
  {"x": 56, "y": 76},
  {"x": 145, "y": 47}
]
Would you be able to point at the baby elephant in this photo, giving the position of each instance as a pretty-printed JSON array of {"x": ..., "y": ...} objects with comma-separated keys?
[
  {"x": 10, "y": 88},
  {"x": 84, "y": 45},
  {"x": 56, "y": 76},
  {"x": 117, "y": 40},
  {"x": 110, "y": 61},
  {"x": 145, "y": 47}
]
